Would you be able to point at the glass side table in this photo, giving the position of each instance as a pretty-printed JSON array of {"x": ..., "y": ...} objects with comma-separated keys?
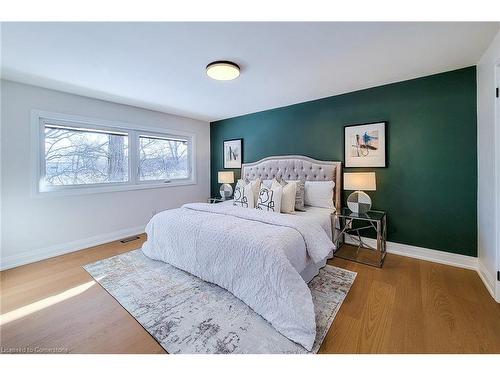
[{"x": 350, "y": 243}]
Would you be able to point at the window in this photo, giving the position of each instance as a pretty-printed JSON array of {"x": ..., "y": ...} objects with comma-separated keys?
[
  {"x": 162, "y": 158},
  {"x": 82, "y": 155}
]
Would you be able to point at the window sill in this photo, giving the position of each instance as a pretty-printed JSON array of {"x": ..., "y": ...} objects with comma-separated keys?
[{"x": 69, "y": 191}]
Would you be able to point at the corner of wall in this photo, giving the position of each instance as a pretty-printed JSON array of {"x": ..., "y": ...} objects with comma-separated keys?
[
  {"x": 498, "y": 292},
  {"x": 488, "y": 159},
  {"x": 487, "y": 278}
]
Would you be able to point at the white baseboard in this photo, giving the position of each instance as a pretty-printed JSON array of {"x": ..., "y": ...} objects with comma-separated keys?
[
  {"x": 26, "y": 257},
  {"x": 450, "y": 259},
  {"x": 488, "y": 279},
  {"x": 498, "y": 292}
]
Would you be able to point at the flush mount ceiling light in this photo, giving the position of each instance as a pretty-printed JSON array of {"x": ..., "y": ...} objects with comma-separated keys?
[{"x": 223, "y": 70}]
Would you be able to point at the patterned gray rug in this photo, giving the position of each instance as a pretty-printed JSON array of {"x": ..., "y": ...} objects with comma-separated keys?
[{"x": 188, "y": 315}]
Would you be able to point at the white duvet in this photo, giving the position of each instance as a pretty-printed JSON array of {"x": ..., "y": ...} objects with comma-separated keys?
[{"x": 244, "y": 251}]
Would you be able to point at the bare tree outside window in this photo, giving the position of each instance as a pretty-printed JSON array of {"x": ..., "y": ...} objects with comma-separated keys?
[
  {"x": 80, "y": 156},
  {"x": 162, "y": 159}
]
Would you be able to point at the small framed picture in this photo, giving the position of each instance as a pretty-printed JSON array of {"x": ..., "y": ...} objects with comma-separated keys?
[
  {"x": 233, "y": 153},
  {"x": 365, "y": 145}
]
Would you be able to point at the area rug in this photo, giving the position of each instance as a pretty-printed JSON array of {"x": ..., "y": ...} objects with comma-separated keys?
[{"x": 188, "y": 315}]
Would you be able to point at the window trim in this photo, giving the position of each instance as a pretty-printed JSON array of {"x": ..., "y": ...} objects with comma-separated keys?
[{"x": 40, "y": 118}]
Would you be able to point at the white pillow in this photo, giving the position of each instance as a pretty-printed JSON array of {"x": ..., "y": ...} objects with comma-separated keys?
[
  {"x": 255, "y": 185},
  {"x": 319, "y": 194},
  {"x": 243, "y": 195},
  {"x": 268, "y": 183},
  {"x": 270, "y": 198},
  {"x": 288, "y": 196}
]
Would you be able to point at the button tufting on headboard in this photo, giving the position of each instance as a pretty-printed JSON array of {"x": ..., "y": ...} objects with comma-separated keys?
[{"x": 290, "y": 167}]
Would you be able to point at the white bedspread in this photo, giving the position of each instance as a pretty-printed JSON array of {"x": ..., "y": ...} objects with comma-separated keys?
[
  {"x": 297, "y": 255},
  {"x": 320, "y": 215},
  {"x": 243, "y": 251}
]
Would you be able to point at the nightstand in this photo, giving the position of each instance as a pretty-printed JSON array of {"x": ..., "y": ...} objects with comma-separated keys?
[
  {"x": 215, "y": 200},
  {"x": 351, "y": 236}
]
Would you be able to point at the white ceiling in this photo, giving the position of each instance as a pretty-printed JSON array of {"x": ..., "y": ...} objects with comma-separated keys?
[{"x": 161, "y": 66}]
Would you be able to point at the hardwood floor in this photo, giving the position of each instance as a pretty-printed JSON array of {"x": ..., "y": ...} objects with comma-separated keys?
[{"x": 409, "y": 306}]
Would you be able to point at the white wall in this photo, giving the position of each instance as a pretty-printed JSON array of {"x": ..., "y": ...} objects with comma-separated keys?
[
  {"x": 1, "y": 215},
  {"x": 488, "y": 167},
  {"x": 36, "y": 228}
]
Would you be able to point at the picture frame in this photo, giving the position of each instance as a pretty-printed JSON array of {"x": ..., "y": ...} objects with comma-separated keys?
[
  {"x": 365, "y": 145},
  {"x": 232, "y": 153}
]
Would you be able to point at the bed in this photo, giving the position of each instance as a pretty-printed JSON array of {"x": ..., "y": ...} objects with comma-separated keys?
[
  {"x": 263, "y": 258},
  {"x": 299, "y": 259}
]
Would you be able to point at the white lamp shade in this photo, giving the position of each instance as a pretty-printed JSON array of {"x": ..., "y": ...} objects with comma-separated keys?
[
  {"x": 226, "y": 177},
  {"x": 360, "y": 181}
]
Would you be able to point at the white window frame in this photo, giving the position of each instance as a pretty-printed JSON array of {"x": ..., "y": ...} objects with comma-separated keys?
[
  {"x": 40, "y": 118},
  {"x": 137, "y": 136}
]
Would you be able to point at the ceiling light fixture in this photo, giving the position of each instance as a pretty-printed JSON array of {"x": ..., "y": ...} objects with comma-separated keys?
[{"x": 223, "y": 70}]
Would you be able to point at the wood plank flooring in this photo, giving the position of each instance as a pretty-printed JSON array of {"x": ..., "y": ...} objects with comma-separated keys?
[{"x": 408, "y": 306}]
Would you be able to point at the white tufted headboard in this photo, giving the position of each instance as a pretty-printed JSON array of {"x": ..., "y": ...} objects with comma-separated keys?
[{"x": 295, "y": 167}]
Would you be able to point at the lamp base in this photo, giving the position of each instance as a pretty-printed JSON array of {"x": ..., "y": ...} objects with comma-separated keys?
[
  {"x": 226, "y": 191},
  {"x": 359, "y": 202}
]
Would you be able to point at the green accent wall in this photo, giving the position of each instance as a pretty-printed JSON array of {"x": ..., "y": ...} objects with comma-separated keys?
[{"x": 429, "y": 188}]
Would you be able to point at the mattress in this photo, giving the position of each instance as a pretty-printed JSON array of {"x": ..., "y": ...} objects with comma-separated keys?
[{"x": 299, "y": 259}]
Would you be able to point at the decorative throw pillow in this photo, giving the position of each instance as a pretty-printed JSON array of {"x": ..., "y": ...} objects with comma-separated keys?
[
  {"x": 300, "y": 195},
  {"x": 319, "y": 194},
  {"x": 255, "y": 185},
  {"x": 270, "y": 198},
  {"x": 280, "y": 180},
  {"x": 288, "y": 196},
  {"x": 243, "y": 195},
  {"x": 268, "y": 183}
]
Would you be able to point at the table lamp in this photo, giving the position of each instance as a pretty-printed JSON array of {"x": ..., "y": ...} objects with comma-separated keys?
[
  {"x": 358, "y": 201},
  {"x": 225, "y": 178}
]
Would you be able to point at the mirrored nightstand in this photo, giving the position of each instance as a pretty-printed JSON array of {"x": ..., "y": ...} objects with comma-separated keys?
[{"x": 353, "y": 236}]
